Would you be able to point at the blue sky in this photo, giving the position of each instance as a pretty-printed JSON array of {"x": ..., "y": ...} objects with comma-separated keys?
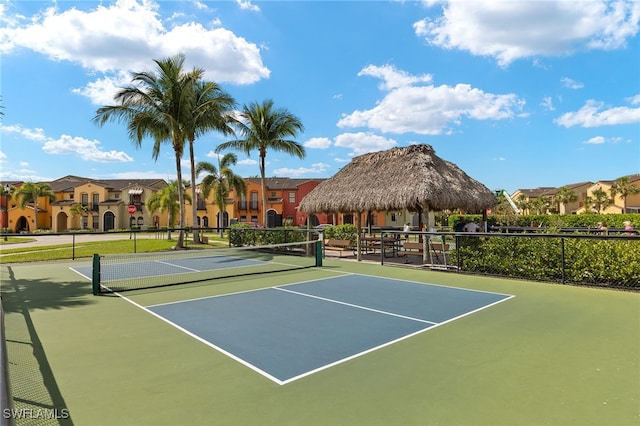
[{"x": 519, "y": 94}]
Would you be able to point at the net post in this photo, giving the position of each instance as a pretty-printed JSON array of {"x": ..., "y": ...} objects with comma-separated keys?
[
  {"x": 95, "y": 276},
  {"x": 318, "y": 252}
]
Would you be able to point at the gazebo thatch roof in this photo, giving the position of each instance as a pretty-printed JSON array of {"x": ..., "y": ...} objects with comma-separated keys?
[{"x": 412, "y": 178}]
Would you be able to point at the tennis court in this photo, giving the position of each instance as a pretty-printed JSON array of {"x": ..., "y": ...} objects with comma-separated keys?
[{"x": 345, "y": 343}]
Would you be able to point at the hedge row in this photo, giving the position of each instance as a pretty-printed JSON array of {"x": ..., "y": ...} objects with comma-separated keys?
[
  {"x": 242, "y": 235},
  {"x": 605, "y": 262},
  {"x": 586, "y": 220}
]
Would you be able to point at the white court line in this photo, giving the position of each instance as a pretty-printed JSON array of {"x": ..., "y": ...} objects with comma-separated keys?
[
  {"x": 206, "y": 342},
  {"x": 351, "y": 305},
  {"x": 176, "y": 266},
  {"x": 431, "y": 325}
]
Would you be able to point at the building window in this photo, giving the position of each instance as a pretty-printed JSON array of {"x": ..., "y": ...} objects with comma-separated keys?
[
  {"x": 85, "y": 222},
  {"x": 84, "y": 199},
  {"x": 96, "y": 222},
  {"x": 254, "y": 219},
  {"x": 95, "y": 199},
  {"x": 242, "y": 204},
  {"x": 292, "y": 197},
  {"x": 254, "y": 201}
]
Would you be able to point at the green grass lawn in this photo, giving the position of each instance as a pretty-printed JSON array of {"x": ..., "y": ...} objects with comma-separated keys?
[
  {"x": 552, "y": 355},
  {"x": 14, "y": 253}
]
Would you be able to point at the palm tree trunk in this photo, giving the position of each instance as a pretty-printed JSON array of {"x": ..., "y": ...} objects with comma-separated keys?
[
  {"x": 194, "y": 199},
  {"x": 263, "y": 183},
  {"x": 180, "y": 242},
  {"x": 35, "y": 219}
]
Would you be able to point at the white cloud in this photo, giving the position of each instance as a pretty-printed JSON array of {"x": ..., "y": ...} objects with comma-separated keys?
[
  {"x": 248, "y": 162},
  {"x": 315, "y": 169},
  {"x": 634, "y": 100},
  {"x": 511, "y": 30},
  {"x": 29, "y": 134},
  {"x": 393, "y": 78},
  {"x": 570, "y": 83},
  {"x": 598, "y": 140},
  {"x": 593, "y": 114},
  {"x": 247, "y": 5},
  {"x": 318, "y": 143},
  {"x": 88, "y": 150},
  {"x": 363, "y": 143},
  {"x": 124, "y": 36},
  {"x": 547, "y": 103},
  {"x": 428, "y": 109},
  {"x": 141, "y": 175}
]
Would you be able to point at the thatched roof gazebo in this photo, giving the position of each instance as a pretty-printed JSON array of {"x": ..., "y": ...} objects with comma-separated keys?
[{"x": 412, "y": 178}]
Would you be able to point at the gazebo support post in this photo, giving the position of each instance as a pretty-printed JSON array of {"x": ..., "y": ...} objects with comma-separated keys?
[{"x": 358, "y": 239}]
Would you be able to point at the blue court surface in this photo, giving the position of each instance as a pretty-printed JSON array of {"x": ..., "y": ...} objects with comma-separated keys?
[{"x": 291, "y": 331}]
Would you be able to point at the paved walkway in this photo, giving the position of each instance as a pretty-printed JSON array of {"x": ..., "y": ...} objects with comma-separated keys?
[{"x": 52, "y": 240}]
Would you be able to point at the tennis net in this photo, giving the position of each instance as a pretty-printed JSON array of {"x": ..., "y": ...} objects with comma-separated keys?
[{"x": 117, "y": 273}]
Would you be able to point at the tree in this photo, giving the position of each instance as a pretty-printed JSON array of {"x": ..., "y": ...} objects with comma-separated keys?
[
  {"x": 265, "y": 128},
  {"x": 211, "y": 110},
  {"x": 523, "y": 203},
  {"x": 29, "y": 193},
  {"x": 7, "y": 192},
  {"x": 79, "y": 209},
  {"x": 539, "y": 205},
  {"x": 599, "y": 200},
  {"x": 167, "y": 200},
  {"x": 624, "y": 188},
  {"x": 157, "y": 105},
  {"x": 221, "y": 181},
  {"x": 565, "y": 196}
]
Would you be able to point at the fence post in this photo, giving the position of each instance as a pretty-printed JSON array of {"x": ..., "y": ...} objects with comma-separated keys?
[
  {"x": 95, "y": 276},
  {"x": 563, "y": 260}
]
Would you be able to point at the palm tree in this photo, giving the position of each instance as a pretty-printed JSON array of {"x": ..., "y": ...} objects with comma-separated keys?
[
  {"x": 599, "y": 200},
  {"x": 167, "y": 200},
  {"x": 523, "y": 203},
  {"x": 210, "y": 111},
  {"x": 29, "y": 193},
  {"x": 79, "y": 209},
  {"x": 624, "y": 188},
  {"x": 6, "y": 191},
  {"x": 157, "y": 105},
  {"x": 265, "y": 128},
  {"x": 565, "y": 196},
  {"x": 221, "y": 180}
]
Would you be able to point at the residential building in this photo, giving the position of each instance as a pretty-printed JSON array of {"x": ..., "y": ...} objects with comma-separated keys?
[{"x": 104, "y": 206}]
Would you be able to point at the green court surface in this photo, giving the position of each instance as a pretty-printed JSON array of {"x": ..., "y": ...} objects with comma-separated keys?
[{"x": 551, "y": 355}]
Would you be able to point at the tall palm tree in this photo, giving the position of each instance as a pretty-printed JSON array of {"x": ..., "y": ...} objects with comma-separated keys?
[
  {"x": 29, "y": 193},
  {"x": 157, "y": 105},
  {"x": 565, "y": 196},
  {"x": 221, "y": 180},
  {"x": 211, "y": 110},
  {"x": 624, "y": 188},
  {"x": 265, "y": 128},
  {"x": 167, "y": 200}
]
